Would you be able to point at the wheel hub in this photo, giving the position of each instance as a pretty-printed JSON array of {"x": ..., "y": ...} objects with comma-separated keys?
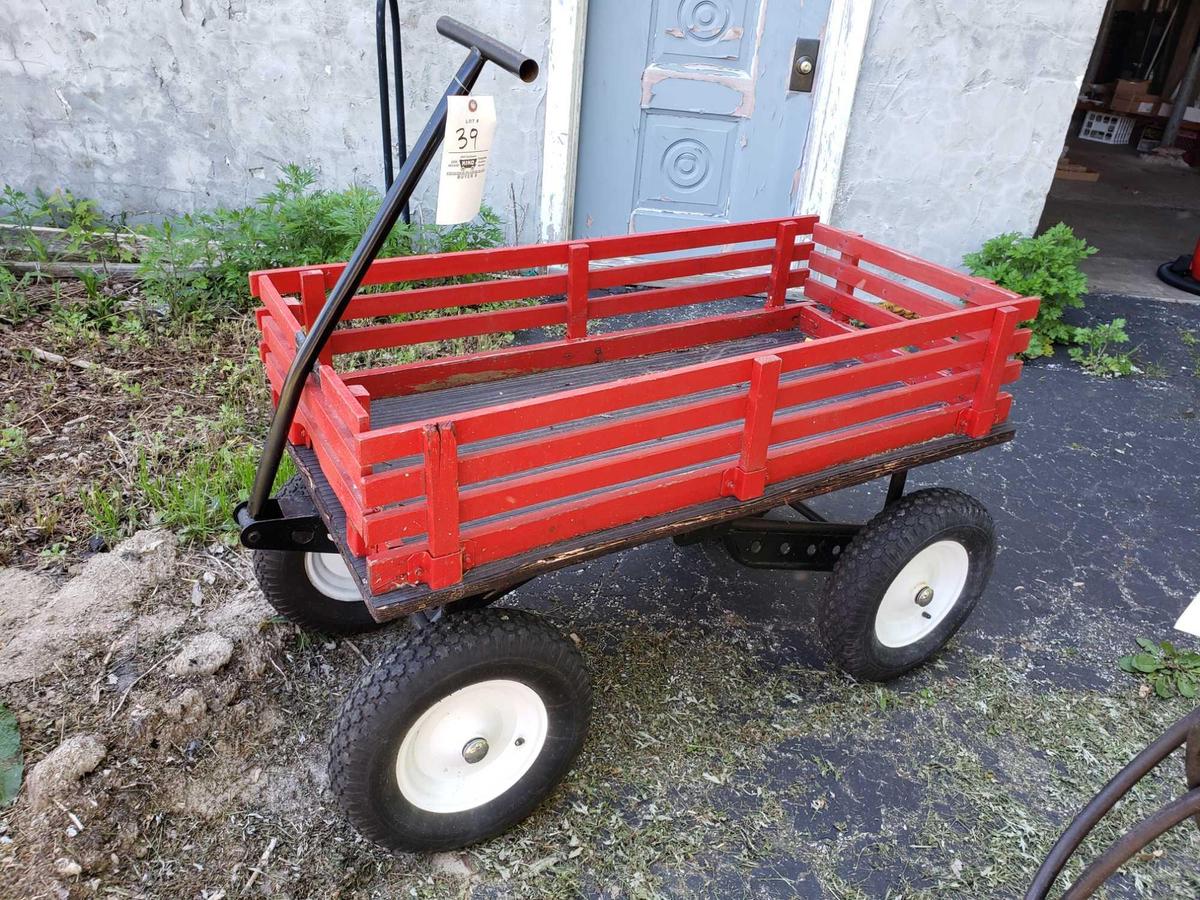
[
  {"x": 922, "y": 594},
  {"x": 471, "y": 746},
  {"x": 475, "y": 750}
]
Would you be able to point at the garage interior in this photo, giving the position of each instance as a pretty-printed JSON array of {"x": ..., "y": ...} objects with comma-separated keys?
[{"x": 1129, "y": 178}]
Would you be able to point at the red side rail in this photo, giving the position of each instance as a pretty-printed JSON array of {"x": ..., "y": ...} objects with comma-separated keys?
[{"x": 917, "y": 352}]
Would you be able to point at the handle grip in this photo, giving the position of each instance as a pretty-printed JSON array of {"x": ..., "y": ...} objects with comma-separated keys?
[{"x": 489, "y": 48}]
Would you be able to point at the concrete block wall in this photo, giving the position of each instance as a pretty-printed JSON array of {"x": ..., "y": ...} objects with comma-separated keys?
[
  {"x": 154, "y": 106},
  {"x": 959, "y": 119}
]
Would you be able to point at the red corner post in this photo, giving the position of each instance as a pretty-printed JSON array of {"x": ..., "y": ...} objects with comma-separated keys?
[
  {"x": 982, "y": 415},
  {"x": 749, "y": 479},
  {"x": 443, "y": 564},
  {"x": 578, "y": 277},
  {"x": 781, "y": 268}
]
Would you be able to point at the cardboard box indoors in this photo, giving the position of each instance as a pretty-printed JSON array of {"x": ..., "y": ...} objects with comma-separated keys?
[
  {"x": 1127, "y": 89},
  {"x": 1143, "y": 105}
]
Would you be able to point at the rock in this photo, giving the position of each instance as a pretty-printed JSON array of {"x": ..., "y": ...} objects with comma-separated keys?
[
  {"x": 203, "y": 654},
  {"x": 190, "y": 706},
  {"x": 67, "y": 868},
  {"x": 43, "y": 626},
  {"x": 62, "y": 768},
  {"x": 452, "y": 865}
]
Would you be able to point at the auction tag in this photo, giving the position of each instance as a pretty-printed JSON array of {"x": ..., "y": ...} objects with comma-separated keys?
[
  {"x": 470, "y": 125},
  {"x": 1189, "y": 622}
]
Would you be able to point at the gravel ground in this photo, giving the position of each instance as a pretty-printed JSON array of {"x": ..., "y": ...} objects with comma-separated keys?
[{"x": 725, "y": 758}]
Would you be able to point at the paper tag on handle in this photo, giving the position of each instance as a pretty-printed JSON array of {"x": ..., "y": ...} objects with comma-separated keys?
[
  {"x": 1189, "y": 622},
  {"x": 470, "y": 126}
]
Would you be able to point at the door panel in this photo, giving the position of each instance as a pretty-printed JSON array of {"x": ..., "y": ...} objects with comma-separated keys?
[{"x": 687, "y": 118}]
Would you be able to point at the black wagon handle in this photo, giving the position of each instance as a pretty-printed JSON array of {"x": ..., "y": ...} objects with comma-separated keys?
[
  {"x": 481, "y": 48},
  {"x": 489, "y": 48}
]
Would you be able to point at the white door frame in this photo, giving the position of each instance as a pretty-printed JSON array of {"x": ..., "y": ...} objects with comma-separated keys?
[{"x": 820, "y": 169}]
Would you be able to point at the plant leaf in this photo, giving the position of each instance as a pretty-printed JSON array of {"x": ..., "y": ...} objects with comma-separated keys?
[
  {"x": 1187, "y": 687},
  {"x": 1148, "y": 645},
  {"x": 1145, "y": 662},
  {"x": 1126, "y": 664},
  {"x": 1162, "y": 687}
]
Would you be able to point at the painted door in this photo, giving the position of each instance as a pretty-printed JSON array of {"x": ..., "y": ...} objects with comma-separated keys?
[{"x": 687, "y": 116}]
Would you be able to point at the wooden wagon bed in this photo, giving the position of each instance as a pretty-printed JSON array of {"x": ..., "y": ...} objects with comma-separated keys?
[{"x": 447, "y": 477}]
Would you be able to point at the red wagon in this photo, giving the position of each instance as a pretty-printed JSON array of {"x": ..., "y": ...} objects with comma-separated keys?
[{"x": 670, "y": 384}]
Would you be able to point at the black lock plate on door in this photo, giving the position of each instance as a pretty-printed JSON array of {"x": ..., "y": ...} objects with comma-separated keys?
[{"x": 804, "y": 65}]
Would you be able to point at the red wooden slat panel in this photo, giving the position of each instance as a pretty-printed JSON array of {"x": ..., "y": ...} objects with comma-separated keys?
[
  {"x": 488, "y": 542},
  {"x": 966, "y": 288},
  {"x": 542, "y": 487},
  {"x": 665, "y": 270},
  {"x": 870, "y": 313},
  {"x": 283, "y": 310},
  {"x": 331, "y": 449},
  {"x": 423, "y": 331},
  {"x": 450, "y": 296},
  {"x": 880, "y": 286},
  {"x": 550, "y": 449},
  {"x": 684, "y": 295},
  {"x": 509, "y": 418},
  {"x": 343, "y": 402},
  {"x": 508, "y": 259},
  {"x": 378, "y": 445},
  {"x": 692, "y": 238}
]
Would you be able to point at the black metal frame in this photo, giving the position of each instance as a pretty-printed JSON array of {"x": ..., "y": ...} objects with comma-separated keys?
[
  {"x": 814, "y": 545},
  {"x": 1184, "y": 733},
  {"x": 481, "y": 49}
]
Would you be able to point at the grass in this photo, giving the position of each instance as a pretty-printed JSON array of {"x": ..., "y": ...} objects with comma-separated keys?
[{"x": 180, "y": 443}]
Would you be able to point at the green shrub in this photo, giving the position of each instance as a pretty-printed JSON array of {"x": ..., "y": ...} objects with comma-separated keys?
[
  {"x": 197, "y": 265},
  {"x": 1046, "y": 266}
]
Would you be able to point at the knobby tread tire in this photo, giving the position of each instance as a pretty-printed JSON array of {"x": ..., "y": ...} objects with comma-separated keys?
[
  {"x": 876, "y": 555},
  {"x": 285, "y": 584},
  {"x": 429, "y": 664}
]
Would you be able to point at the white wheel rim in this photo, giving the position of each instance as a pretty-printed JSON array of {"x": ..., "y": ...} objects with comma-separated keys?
[
  {"x": 330, "y": 575},
  {"x": 908, "y": 612},
  {"x": 471, "y": 746}
]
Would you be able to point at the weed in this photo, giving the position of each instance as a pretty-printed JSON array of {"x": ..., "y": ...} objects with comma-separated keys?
[
  {"x": 1047, "y": 267},
  {"x": 1093, "y": 350},
  {"x": 108, "y": 512},
  {"x": 70, "y": 325},
  {"x": 1165, "y": 668},
  {"x": 196, "y": 266},
  {"x": 15, "y": 305},
  {"x": 14, "y": 445},
  {"x": 55, "y": 553},
  {"x": 87, "y": 234},
  {"x": 193, "y": 494},
  {"x": 1192, "y": 342}
]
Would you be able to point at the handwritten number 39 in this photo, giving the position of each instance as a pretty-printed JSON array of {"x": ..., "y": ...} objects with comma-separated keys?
[{"x": 468, "y": 137}]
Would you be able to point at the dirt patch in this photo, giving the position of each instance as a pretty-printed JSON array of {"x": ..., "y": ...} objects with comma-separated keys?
[{"x": 98, "y": 602}]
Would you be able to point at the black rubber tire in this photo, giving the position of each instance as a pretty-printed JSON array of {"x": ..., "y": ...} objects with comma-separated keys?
[
  {"x": 875, "y": 557},
  {"x": 431, "y": 664},
  {"x": 286, "y": 585}
]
